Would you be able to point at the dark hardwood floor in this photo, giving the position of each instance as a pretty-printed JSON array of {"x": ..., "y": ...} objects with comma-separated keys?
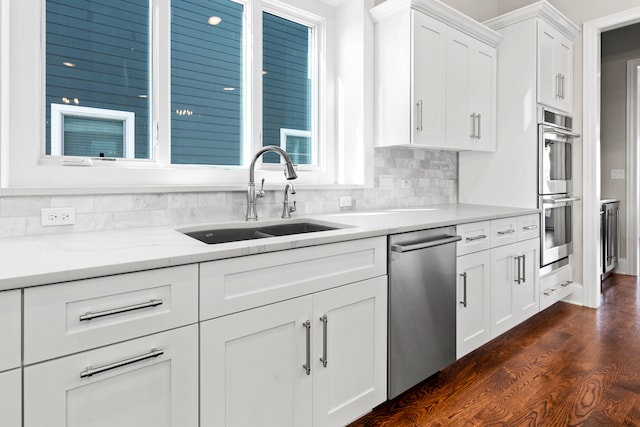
[{"x": 566, "y": 366}]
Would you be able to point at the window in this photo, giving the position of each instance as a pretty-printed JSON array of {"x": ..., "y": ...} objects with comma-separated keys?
[
  {"x": 82, "y": 131},
  {"x": 182, "y": 92},
  {"x": 97, "y": 56}
]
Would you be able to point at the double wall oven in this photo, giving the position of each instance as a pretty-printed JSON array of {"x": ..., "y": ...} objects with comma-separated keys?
[{"x": 555, "y": 186}]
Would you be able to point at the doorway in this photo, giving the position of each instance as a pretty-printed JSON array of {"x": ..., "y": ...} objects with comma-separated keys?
[{"x": 592, "y": 31}]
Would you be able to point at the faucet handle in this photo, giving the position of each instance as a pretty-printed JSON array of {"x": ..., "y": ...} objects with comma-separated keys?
[
  {"x": 260, "y": 193},
  {"x": 293, "y": 208}
]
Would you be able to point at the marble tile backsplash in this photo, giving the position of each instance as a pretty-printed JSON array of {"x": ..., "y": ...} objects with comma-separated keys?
[{"x": 432, "y": 178}]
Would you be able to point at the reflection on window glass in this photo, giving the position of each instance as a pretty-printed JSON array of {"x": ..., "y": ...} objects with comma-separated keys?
[
  {"x": 287, "y": 88},
  {"x": 97, "y": 56},
  {"x": 206, "y": 82}
]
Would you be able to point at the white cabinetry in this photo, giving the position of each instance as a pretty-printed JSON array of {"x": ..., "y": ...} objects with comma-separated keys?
[
  {"x": 313, "y": 360},
  {"x": 555, "y": 68},
  {"x": 514, "y": 284},
  {"x": 435, "y": 77},
  {"x": 537, "y": 48},
  {"x": 265, "y": 338},
  {"x": 115, "y": 350},
  {"x": 10, "y": 358},
  {"x": 146, "y": 382},
  {"x": 498, "y": 280},
  {"x": 474, "y": 315}
]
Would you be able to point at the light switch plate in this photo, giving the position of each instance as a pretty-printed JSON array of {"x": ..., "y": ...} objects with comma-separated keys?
[{"x": 617, "y": 173}]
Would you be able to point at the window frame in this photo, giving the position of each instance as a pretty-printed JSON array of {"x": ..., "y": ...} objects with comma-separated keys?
[
  {"x": 24, "y": 169},
  {"x": 60, "y": 111}
]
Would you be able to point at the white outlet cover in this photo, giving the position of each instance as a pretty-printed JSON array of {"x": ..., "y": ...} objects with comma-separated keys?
[{"x": 617, "y": 173}]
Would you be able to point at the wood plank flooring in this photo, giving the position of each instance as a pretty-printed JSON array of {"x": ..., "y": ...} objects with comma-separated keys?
[{"x": 566, "y": 366}]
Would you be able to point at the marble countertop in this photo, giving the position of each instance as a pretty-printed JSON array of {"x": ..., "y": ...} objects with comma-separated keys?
[{"x": 39, "y": 260}]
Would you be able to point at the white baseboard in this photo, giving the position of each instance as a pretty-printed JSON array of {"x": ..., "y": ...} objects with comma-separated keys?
[{"x": 577, "y": 296}]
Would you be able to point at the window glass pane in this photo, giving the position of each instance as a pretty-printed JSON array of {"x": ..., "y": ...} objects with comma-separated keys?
[
  {"x": 98, "y": 56},
  {"x": 206, "y": 82},
  {"x": 98, "y": 135},
  {"x": 287, "y": 86}
]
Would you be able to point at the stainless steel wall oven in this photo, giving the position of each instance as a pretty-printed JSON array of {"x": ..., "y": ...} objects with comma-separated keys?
[{"x": 555, "y": 184}]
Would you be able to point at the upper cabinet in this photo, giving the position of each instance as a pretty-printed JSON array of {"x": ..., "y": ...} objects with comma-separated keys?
[
  {"x": 435, "y": 77},
  {"x": 553, "y": 34}
]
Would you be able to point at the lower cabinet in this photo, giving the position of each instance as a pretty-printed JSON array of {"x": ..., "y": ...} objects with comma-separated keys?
[
  {"x": 11, "y": 398},
  {"x": 146, "y": 382},
  {"x": 474, "y": 307},
  {"x": 314, "y": 360},
  {"x": 514, "y": 284}
]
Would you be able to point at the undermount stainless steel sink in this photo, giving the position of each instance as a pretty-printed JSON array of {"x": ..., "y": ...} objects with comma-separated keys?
[{"x": 225, "y": 233}]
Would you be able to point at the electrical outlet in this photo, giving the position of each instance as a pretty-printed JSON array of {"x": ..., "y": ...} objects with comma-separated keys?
[
  {"x": 345, "y": 201},
  {"x": 57, "y": 216}
]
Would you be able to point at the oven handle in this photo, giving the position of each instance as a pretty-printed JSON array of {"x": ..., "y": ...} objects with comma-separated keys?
[
  {"x": 564, "y": 200},
  {"x": 559, "y": 131}
]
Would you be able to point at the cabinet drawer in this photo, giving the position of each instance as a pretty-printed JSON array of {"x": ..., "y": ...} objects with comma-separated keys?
[
  {"x": 528, "y": 227},
  {"x": 504, "y": 231},
  {"x": 75, "y": 316},
  {"x": 555, "y": 286},
  {"x": 149, "y": 381},
  {"x": 475, "y": 237},
  {"x": 10, "y": 329},
  {"x": 236, "y": 284}
]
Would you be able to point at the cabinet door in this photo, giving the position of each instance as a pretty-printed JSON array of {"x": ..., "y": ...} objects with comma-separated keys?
[
  {"x": 251, "y": 367},
  {"x": 527, "y": 292},
  {"x": 11, "y": 398},
  {"x": 460, "y": 123},
  {"x": 10, "y": 329},
  {"x": 124, "y": 384},
  {"x": 473, "y": 314},
  {"x": 429, "y": 76},
  {"x": 503, "y": 276},
  {"x": 350, "y": 348},
  {"x": 483, "y": 76},
  {"x": 555, "y": 58}
]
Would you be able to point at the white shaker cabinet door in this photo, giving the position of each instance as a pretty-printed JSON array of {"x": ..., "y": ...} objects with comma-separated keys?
[
  {"x": 527, "y": 292},
  {"x": 252, "y": 367},
  {"x": 474, "y": 305},
  {"x": 428, "y": 76},
  {"x": 147, "y": 382},
  {"x": 10, "y": 329},
  {"x": 350, "y": 348},
  {"x": 11, "y": 398},
  {"x": 555, "y": 68}
]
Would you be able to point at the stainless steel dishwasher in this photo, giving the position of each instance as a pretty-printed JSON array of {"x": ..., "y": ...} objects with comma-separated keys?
[{"x": 422, "y": 306}]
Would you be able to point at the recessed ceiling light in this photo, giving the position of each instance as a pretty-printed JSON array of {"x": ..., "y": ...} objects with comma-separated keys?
[
  {"x": 69, "y": 64},
  {"x": 214, "y": 20}
]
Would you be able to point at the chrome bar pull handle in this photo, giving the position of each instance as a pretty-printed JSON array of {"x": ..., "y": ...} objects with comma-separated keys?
[
  {"x": 478, "y": 237},
  {"x": 473, "y": 125},
  {"x": 558, "y": 85},
  {"x": 307, "y": 366},
  {"x": 151, "y": 303},
  {"x": 550, "y": 291},
  {"x": 517, "y": 260},
  {"x": 524, "y": 266},
  {"x": 419, "y": 123},
  {"x": 505, "y": 232},
  {"x": 479, "y": 134},
  {"x": 464, "y": 290},
  {"x": 104, "y": 368},
  {"x": 567, "y": 283},
  {"x": 530, "y": 227},
  {"x": 323, "y": 359}
]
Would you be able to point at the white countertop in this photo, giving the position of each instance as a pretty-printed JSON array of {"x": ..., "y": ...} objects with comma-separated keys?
[{"x": 39, "y": 260}]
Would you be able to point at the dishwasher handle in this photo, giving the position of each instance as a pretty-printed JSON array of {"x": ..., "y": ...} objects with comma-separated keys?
[{"x": 414, "y": 246}]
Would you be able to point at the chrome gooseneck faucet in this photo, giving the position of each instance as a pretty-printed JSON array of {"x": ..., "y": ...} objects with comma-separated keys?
[{"x": 289, "y": 173}]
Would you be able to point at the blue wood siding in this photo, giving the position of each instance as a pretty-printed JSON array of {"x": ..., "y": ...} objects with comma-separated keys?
[
  {"x": 206, "y": 59},
  {"x": 108, "y": 41}
]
